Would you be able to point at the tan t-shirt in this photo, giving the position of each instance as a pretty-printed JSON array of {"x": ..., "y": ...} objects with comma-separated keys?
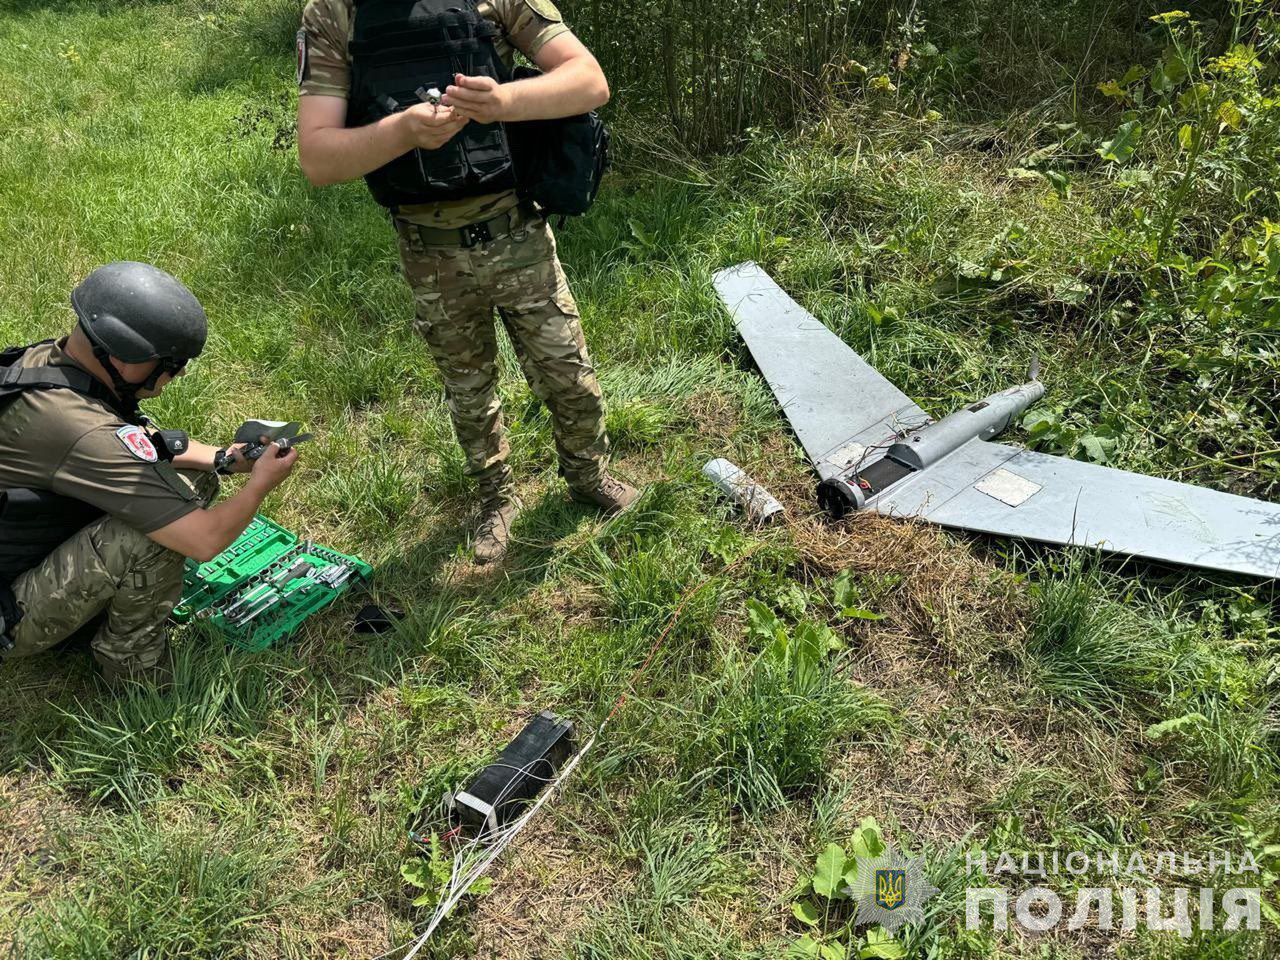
[
  {"x": 61, "y": 441},
  {"x": 324, "y": 68}
]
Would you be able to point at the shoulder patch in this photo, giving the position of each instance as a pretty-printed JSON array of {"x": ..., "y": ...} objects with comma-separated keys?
[
  {"x": 301, "y": 43},
  {"x": 545, "y": 9},
  {"x": 134, "y": 439}
]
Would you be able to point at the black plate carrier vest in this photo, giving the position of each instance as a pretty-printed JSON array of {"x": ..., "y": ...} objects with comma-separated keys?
[
  {"x": 400, "y": 49},
  {"x": 34, "y": 522}
]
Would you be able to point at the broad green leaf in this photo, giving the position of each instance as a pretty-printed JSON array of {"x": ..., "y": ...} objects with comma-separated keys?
[
  {"x": 1158, "y": 730},
  {"x": 1112, "y": 88},
  {"x": 1194, "y": 97},
  {"x": 808, "y": 647},
  {"x": 1070, "y": 290},
  {"x": 416, "y": 873},
  {"x": 1186, "y": 136},
  {"x": 1039, "y": 421},
  {"x": 806, "y": 911},
  {"x": 1098, "y": 449},
  {"x": 1060, "y": 182},
  {"x": 762, "y": 621},
  {"x": 844, "y": 591},
  {"x": 1134, "y": 177},
  {"x": 828, "y": 872},
  {"x": 880, "y": 945},
  {"x": 850, "y": 876},
  {"x": 1120, "y": 148},
  {"x": 1133, "y": 75},
  {"x": 1174, "y": 67},
  {"x": 867, "y": 840},
  {"x": 806, "y": 946},
  {"x": 833, "y": 951},
  {"x": 1229, "y": 115}
]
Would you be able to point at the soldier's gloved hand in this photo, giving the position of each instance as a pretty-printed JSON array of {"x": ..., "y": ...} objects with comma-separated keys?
[
  {"x": 482, "y": 99},
  {"x": 270, "y": 469},
  {"x": 429, "y": 127}
]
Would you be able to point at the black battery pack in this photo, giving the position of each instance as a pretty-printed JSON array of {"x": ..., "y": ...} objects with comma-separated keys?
[{"x": 525, "y": 765}]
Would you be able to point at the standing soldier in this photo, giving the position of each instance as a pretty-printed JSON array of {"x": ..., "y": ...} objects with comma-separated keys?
[
  {"x": 413, "y": 95},
  {"x": 97, "y": 511}
]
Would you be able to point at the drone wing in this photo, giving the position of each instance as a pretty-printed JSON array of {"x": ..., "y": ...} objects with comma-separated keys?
[
  {"x": 1004, "y": 490},
  {"x": 845, "y": 413},
  {"x": 838, "y": 405}
]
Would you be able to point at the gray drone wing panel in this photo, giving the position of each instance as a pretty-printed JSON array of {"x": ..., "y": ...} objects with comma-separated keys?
[
  {"x": 837, "y": 403},
  {"x": 1004, "y": 490}
]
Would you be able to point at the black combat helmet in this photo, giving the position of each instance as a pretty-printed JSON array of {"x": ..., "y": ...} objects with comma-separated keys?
[{"x": 136, "y": 312}]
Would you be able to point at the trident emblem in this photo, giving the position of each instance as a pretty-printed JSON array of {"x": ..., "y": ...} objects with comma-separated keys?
[{"x": 890, "y": 888}]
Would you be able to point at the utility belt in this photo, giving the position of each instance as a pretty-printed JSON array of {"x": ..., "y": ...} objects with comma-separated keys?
[{"x": 512, "y": 223}]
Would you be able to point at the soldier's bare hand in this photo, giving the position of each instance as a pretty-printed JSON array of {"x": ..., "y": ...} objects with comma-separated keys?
[
  {"x": 429, "y": 127},
  {"x": 482, "y": 99},
  {"x": 270, "y": 469},
  {"x": 236, "y": 461}
]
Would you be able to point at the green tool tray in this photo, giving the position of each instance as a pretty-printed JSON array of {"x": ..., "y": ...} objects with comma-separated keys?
[{"x": 252, "y": 573}]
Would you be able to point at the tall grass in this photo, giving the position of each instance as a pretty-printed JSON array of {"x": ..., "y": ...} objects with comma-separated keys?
[{"x": 167, "y": 891}]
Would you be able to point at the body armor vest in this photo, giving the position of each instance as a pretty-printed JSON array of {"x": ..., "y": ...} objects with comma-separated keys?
[
  {"x": 35, "y": 522},
  {"x": 400, "y": 49}
]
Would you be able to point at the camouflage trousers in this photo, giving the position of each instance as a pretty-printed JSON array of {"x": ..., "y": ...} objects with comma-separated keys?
[
  {"x": 109, "y": 574},
  {"x": 456, "y": 290}
]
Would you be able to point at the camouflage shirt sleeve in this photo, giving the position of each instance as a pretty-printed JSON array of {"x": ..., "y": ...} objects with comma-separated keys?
[
  {"x": 526, "y": 24},
  {"x": 324, "y": 65}
]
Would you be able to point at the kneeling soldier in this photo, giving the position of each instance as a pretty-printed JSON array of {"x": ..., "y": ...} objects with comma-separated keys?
[
  {"x": 413, "y": 95},
  {"x": 97, "y": 511}
]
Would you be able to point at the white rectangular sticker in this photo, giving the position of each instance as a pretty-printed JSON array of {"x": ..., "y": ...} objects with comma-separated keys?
[
  {"x": 1007, "y": 487},
  {"x": 847, "y": 456}
]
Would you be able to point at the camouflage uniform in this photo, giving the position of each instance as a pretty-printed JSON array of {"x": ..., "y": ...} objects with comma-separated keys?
[
  {"x": 110, "y": 571},
  {"x": 456, "y": 289}
]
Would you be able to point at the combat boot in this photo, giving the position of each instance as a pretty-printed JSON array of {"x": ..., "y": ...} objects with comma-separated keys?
[
  {"x": 494, "y": 533},
  {"x": 610, "y": 494}
]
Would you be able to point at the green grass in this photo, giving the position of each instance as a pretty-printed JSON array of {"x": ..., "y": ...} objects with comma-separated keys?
[{"x": 1011, "y": 697}]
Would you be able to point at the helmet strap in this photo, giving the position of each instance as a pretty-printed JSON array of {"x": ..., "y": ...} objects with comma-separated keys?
[
  {"x": 164, "y": 366},
  {"x": 126, "y": 391}
]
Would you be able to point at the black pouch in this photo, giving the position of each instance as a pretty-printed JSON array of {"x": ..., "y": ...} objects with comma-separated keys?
[
  {"x": 559, "y": 163},
  {"x": 33, "y": 523}
]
